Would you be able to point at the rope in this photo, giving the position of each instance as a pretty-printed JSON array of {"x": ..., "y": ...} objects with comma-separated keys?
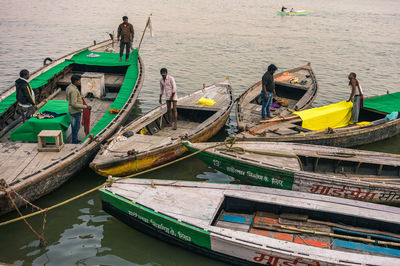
[
  {"x": 109, "y": 182},
  {"x": 5, "y": 188}
]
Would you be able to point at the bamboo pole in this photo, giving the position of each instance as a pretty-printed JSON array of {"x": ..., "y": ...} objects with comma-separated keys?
[
  {"x": 339, "y": 236},
  {"x": 144, "y": 31}
]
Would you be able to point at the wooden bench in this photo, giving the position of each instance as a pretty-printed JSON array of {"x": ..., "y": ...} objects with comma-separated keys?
[{"x": 58, "y": 137}]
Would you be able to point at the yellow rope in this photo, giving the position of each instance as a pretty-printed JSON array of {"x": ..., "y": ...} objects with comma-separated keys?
[{"x": 110, "y": 182}]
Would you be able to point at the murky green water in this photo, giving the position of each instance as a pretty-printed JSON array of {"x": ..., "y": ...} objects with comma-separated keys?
[{"x": 199, "y": 42}]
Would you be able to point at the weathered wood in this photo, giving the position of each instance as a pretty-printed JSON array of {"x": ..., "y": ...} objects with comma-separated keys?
[
  {"x": 195, "y": 122},
  {"x": 33, "y": 174},
  {"x": 298, "y": 97},
  {"x": 339, "y": 172},
  {"x": 197, "y": 204}
]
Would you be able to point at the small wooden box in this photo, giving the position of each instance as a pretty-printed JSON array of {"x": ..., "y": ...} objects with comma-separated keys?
[{"x": 56, "y": 134}]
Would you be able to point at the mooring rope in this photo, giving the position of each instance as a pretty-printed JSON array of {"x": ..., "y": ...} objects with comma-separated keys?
[{"x": 109, "y": 182}]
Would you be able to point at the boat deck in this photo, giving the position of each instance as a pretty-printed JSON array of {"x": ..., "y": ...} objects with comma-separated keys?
[
  {"x": 185, "y": 201},
  {"x": 18, "y": 161}
]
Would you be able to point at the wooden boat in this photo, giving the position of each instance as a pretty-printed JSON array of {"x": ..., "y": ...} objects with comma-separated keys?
[
  {"x": 296, "y": 89},
  {"x": 249, "y": 225},
  {"x": 340, "y": 172},
  {"x": 26, "y": 173},
  {"x": 147, "y": 142},
  {"x": 293, "y": 13},
  {"x": 375, "y": 126}
]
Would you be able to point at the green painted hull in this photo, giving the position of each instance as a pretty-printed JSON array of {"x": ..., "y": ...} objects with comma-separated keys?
[
  {"x": 248, "y": 173},
  {"x": 164, "y": 224}
]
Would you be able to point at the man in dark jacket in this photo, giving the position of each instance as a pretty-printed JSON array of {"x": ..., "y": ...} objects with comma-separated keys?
[
  {"x": 25, "y": 95},
  {"x": 268, "y": 91},
  {"x": 125, "y": 34}
]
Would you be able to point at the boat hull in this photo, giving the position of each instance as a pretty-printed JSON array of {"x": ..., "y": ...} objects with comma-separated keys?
[
  {"x": 146, "y": 205},
  {"x": 337, "y": 139},
  {"x": 52, "y": 176},
  {"x": 274, "y": 177},
  {"x": 158, "y": 156},
  {"x": 194, "y": 238},
  {"x": 296, "y": 13}
]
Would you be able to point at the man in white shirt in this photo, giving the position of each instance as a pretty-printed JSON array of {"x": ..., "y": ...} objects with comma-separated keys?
[{"x": 168, "y": 85}]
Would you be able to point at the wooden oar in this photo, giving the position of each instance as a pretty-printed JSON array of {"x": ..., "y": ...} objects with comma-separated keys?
[{"x": 275, "y": 119}]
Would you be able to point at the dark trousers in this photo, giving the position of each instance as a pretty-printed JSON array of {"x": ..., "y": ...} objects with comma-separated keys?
[
  {"x": 26, "y": 112},
  {"x": 122, "y": 45}
]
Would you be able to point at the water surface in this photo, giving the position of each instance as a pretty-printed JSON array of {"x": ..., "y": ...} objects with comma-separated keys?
[{"x": 199, "y": 42}]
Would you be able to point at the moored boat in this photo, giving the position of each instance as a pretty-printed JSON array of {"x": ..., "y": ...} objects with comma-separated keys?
[
  {"x": 332, "y": 125},
  {"x": 296, "y": 90},
  {"x": 256, "y": 225},
  {"x": 147, "y": 141},
  {"x": 339, "y": 172},
  {"x": 110, "y": 87},
  {"x": 293, "y": 13}
]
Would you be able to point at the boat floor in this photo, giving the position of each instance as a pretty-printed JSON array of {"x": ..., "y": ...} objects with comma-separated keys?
[
  {"x": 18, "y": 161},
  {"x": 141, "y": 143}
]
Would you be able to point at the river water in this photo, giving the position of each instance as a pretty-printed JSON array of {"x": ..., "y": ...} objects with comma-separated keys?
[{"x": 199, "y": 42}]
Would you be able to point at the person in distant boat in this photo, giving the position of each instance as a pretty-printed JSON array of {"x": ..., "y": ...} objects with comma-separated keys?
[
  {"x": 283, "y": 9},
  {"x": 292, "y": 10},
  {"x": 125, "y": 34},
  {"x": 168, "y": 86},
  {"x": 75, "y": 106},
  {"x": 268, "y": 91},
  {"x": 356, "y": 95},
  {"x": 25, "y": 95}
]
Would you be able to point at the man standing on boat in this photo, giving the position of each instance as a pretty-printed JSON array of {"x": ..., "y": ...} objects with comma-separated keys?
[
  {"x": 75, "y": 106},
  {"x": 25, "y": 95},
  {"x": 356, "y": 96},
  {"x": 268, "y": 91},
  {"x": 125, "y": 34},
  {"x": 168, "y": 85}
]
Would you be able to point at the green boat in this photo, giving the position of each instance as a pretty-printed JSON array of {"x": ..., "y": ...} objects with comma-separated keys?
[
  {"x": 30, "y": 167},
  {"x": 339, "y": 172},
  {"x": 249, "y": 225}
]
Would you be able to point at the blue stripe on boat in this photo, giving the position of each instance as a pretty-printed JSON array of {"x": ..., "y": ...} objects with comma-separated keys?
[
  {"x": 337, "y": 229},
  {"x": 364, "y": 247},
  {"x": 237, "y": 219}
]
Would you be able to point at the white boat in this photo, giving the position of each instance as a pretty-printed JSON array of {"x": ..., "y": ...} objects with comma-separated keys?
[{"x": 257, "y": 225}]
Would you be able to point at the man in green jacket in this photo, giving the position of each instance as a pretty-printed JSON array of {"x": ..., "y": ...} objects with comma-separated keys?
[{"x": 75, "y": 106}]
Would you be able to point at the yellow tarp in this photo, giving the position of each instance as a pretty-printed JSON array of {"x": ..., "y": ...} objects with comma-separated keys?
[
  {"x": 204, "y": 101},
  {"x": 333, "y": 116}
]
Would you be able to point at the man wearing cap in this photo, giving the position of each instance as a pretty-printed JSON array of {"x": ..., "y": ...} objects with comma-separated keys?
[
  {"x": 25, "y": 95},
  {"x": 125, "y": 34},
  {"x": 75, "y": 106},
  {"x": 268, "y": 90}
]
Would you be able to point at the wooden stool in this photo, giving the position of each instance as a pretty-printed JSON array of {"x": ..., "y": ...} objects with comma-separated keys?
[{"x": 56, "y": 134}]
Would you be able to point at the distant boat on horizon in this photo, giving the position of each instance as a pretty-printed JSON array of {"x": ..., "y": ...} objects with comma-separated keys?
[{"x": 293, "y": 13}]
